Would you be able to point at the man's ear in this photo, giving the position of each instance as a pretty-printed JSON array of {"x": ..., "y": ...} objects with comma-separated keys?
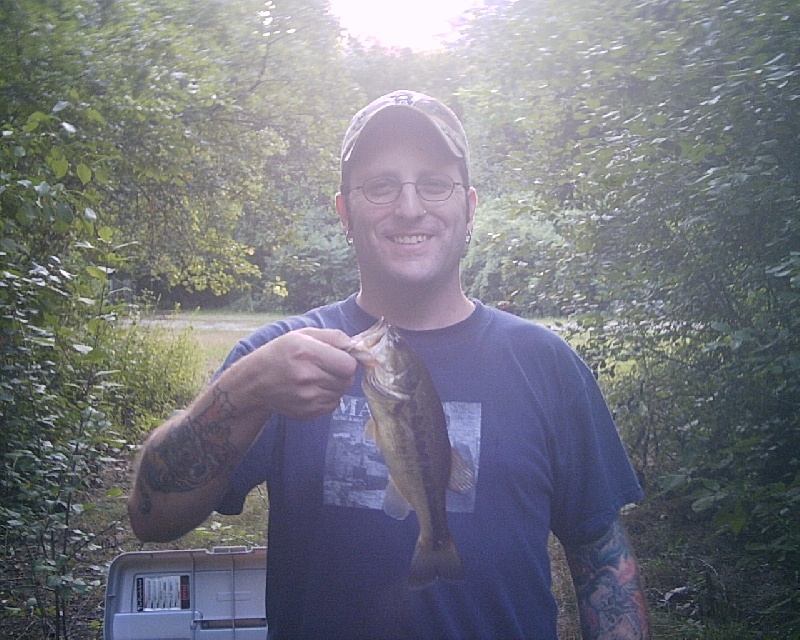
[
  {"x": 341, "y": 210},
  {"x": 472, "y": 206}
]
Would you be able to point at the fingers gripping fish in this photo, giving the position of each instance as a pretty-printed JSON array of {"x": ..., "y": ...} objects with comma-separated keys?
[{"x": 409, "y": 427}]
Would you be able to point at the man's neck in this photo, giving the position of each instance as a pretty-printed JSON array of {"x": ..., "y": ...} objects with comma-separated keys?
[{"x": 417, "y": 311}]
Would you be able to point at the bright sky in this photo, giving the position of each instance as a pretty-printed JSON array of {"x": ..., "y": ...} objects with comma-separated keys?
[{"x": 417, "y": 24}]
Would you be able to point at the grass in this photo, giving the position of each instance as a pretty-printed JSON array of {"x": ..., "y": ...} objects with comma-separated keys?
[{"x": 214, "y": 332}]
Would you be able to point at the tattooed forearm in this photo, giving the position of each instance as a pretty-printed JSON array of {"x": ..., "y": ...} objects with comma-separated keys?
[
  {"x": 608, "y": 589},
  {"x": 192, "y": 454}
]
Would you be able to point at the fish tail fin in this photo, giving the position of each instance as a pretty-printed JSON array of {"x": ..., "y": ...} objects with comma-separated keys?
[{"x": 434, "y": 560}]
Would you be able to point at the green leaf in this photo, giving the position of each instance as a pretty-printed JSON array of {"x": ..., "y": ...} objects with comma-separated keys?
[
  {"x": 733, "y": 516},
  {"x": 58, "y": 163},
  {"x": 34, "y": 120},
  {"x": 84, "y": 173},
  {"x": 95, "y": 115},
  {"x": 96, "y": 272},
  {"x": 674, "y": 481},
  {"x": 704, "y": 503}
]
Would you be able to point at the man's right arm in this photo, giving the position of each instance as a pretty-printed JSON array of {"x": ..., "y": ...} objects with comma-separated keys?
[{"x": 186, "y": 464}]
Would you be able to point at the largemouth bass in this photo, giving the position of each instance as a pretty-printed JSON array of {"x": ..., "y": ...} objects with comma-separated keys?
[{"x": 409, "y": 427}]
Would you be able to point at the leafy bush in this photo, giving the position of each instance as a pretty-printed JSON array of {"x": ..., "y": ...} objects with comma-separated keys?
[
  {"x": 78, "y": 384},
  {"x": 316, "y": 268},
  {"x": 156, "y": 371},
  {"x": 509, "y": 257},
  {"x": 77, "y": 379},
  {"x": 709, "y": 415}
]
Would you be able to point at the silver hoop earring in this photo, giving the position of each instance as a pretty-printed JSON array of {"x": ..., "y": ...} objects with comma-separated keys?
[
  {"x": 469, "y": 237},
  {"x": 348, "y": 238}
]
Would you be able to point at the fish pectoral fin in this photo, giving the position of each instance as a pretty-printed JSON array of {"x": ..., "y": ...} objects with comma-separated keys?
[
  {"x": 462, "y": 471},
  {"x": 394, "y": 502}
]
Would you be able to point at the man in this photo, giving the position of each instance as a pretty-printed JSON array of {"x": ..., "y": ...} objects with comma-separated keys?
[{"x": 287, "y": 408}]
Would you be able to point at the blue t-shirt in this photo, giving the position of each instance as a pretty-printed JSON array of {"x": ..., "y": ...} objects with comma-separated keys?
[{"x": 527, "y": 412}]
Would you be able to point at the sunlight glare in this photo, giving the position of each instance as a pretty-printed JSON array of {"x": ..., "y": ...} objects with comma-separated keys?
[{"x": 416, "y": 24}]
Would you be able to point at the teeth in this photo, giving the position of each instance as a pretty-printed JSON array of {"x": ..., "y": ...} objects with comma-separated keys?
[{"x": 409, "y": 239}]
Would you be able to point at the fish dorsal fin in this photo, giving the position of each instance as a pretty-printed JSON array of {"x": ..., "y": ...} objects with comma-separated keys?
[
  {"x": 394, "y": 503},
  {"x": 462, "y": 472}
]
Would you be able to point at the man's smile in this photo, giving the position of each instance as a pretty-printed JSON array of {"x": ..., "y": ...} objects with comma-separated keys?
[{"x": 414, "y": 239}]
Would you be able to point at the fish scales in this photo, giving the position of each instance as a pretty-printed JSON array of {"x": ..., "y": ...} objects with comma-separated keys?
[{"x": 409, "y": 426}]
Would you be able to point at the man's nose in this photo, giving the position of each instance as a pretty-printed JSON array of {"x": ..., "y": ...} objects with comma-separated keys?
[{"x": 409, "y": 203}]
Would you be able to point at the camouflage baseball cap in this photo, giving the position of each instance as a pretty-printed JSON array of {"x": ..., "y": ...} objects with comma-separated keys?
[{"x": 436, "y": 113}]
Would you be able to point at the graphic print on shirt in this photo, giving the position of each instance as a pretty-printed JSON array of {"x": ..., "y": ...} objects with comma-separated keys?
[{"x": 355, "y": 471}]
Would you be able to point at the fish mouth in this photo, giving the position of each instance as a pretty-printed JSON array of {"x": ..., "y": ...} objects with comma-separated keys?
[
  {"x": 363, "y": 344},
  {"x": 374, "y": 348},
  {"x": 372, "y": 336}
]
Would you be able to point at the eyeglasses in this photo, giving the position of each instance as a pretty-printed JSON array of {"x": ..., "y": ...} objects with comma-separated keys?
[{"x": 386, "y": 190}]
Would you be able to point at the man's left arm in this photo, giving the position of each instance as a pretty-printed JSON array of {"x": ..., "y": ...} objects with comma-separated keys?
[{"x": 608, "y": 587}]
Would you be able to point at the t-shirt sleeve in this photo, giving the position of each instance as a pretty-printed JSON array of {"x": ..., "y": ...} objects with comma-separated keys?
[{"x": 593, "y": 475}]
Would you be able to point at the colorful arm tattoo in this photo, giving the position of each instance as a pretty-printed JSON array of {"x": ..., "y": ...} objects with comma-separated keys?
[
  {"x": 607, "y": 586},
  {"x": 195, "y": 452}
]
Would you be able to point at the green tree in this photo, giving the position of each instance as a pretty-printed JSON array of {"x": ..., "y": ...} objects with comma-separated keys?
[
  {"x": 114, "y": 161},
  {"x": 508, "y": 261},
  {"x": 66, "y": 363},
  {"x": 198, "y": 113}
]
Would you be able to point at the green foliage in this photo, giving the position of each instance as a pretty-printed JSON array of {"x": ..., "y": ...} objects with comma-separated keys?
[
  {"x": 66, "y": 367},
  {"x": 76, "y": 387},
  {"x": 156, "y": 371},
  {"x": 181, "y": 120},
  {"x": 509, "y": 259},
  {"x": 317, "y": 268}
]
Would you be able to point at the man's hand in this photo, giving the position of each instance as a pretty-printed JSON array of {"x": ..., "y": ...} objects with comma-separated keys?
[
  {"x": 611, "y": 602},
  {"x": 302, "y": 374}
]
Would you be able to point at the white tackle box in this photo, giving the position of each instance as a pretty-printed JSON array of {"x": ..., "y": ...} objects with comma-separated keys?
[{"x": 190, "y": 594}]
